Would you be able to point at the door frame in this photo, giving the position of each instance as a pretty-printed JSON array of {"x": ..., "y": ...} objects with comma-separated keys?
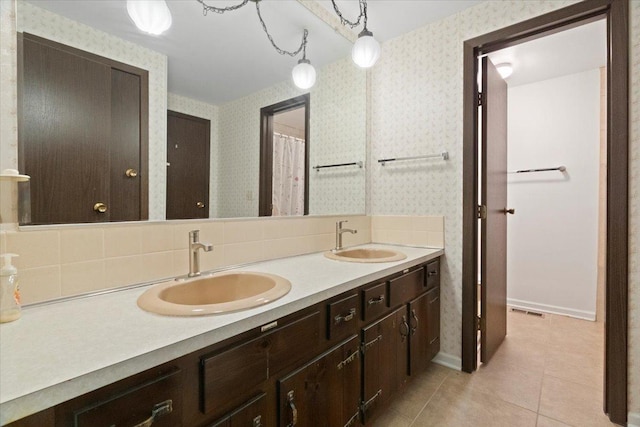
[
  {"x": 616, "y": 288},
  {"x": 266, "y": 150}
]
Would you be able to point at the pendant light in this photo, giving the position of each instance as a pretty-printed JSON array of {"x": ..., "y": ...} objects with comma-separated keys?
[
  {"x": 150, "y": 16},
  {"x": 304, "y": 75},
  {"x": 366, "y": 50}
]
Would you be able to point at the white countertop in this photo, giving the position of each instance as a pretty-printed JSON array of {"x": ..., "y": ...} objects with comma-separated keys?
[{"x": 59, "y": 351}]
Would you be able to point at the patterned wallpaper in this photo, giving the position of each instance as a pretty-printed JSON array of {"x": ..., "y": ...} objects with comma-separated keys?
[
  {"x": 8, "y": 76},
  {"x": 203, "y": 110},
  {"x": 337, "y": 135},
  {"x": 43, "y": 23}
]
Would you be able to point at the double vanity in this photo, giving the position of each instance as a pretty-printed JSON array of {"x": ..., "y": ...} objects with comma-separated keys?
[{"x": 318, "y": 339}]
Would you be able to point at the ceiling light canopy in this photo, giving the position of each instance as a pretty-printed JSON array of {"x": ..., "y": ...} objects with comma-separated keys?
[
  {"x": 150, "y": 16},
  {"x": 505, "y": 69}
]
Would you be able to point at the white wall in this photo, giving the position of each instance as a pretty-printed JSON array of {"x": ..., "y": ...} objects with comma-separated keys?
[{"x": 552, "y": 240}]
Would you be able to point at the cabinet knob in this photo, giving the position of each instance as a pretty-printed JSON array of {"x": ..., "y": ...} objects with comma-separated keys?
[
  {"x": 131, "y": 173},
  {"x": 100, "y": 207},
  {"x": 200, "y": 205}
]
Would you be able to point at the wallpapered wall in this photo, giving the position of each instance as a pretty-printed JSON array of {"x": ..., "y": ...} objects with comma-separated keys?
[
  {"x": 203, "y": 110},
  {"x": 416, "y": 108},
  {"x": 337, "y": 135},
  {"x": 45, "y": 24}
]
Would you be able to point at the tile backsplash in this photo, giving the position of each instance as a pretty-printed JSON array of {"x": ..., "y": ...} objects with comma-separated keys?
[{"x": 60, "y": 261}]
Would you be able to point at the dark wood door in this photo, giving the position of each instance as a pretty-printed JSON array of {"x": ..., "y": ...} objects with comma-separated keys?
[
  {"x": 322, "y": 393},
  {"x": 384, "y": 360},
  {"x": 64, "y": 133},
  {"x": 493, "y": 305},
  {"x": 188, "y": 166},
  {"x": 125, "y": 166},
  {"x": 82, "y": 124}
]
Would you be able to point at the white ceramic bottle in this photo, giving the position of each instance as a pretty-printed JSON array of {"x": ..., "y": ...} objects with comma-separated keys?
[{"x": 9, "y": 292}]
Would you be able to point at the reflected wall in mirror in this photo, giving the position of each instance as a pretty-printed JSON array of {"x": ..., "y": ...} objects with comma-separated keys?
[{"x": 337, "y": 123}]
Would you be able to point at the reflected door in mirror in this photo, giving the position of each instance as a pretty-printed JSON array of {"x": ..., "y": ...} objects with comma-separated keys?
[
  {"x": 80, "y": 129},
  {"x": 187, "y": 166}
]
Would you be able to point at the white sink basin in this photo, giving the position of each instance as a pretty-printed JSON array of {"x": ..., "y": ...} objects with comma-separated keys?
[
  {"x": 220, "y": 293},
  {"x": 366, "y": 255}
]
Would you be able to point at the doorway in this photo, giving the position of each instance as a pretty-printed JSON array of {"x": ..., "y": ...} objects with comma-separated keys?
[
  {"x": 616, "y": 14},
  {"x": 284, "y": 158}
]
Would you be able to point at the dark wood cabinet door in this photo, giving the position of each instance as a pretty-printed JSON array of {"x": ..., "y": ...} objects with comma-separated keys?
[
  {"x": 433, "y": 322},
  {"x": 188, "y": 166},
  {"x": 419, "y": 334},
  {"x": 384, "y": 360},
  {"x": 324, "y": 392},
  {"x": 125, "y": 166},
  {"x": 64, "y": 133}
]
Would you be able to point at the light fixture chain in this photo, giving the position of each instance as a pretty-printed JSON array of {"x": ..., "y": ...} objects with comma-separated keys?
[
  {"x": 303, "y": 44},
  {"x": 206, "y": 8},
  {"x": 344, "y": 21}
]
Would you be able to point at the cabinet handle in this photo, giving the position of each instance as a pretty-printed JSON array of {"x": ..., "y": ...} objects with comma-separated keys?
[
  {"x": 404, "y": 324},
  {"x": 159, "y": 409},
  {"x": 200, "y": 205},
  {"x": 377, "y": 300},
  {"x": 292, "y": 407},
  {"x": 100, "y": 207},
  {"x": 131, "y": 173},
  {"x": 432, "y": 273},
  {"x": 413, "y": 316},
  {"x": 340, "y": 319},
  {"x": 257, "y": 421}
]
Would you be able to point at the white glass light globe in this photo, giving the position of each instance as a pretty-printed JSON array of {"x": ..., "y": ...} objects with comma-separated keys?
[
  {"x": 366, "y": 51},
  {"x": 150, "y": 16},
  {"x": 304, "y": 75},
  {"x": 505, "y": 69}
]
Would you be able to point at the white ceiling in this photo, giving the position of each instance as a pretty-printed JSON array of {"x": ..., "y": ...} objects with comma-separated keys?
[
  {"x": 572, "y": 51},
  {"x": 218, "y": 58}
]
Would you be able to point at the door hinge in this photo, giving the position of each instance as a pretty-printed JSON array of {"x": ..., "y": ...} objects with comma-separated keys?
[
  {"x": 482, "y": 212},
  {"x": 480, "y": 98},
  {"x": 479, "y": 323}
]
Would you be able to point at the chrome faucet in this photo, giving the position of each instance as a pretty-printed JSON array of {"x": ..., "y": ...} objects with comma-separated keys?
[
  {"x": 339, "y": 231},
  {"x": 194, "y": 255}
]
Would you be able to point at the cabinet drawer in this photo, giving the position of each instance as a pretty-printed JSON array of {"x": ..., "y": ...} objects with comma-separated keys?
[
  {"x": 433, "y": 274},
  {"x": 342, "y": 317},
  {"x": 406, "y": 287},
  {"x": 229, "y": 377},
  {"x": 294, "y": 343},
  {"x": 159, "y": 399},
  {"x": 374, "y": 301},
  {"x": 251, "y": 414}
]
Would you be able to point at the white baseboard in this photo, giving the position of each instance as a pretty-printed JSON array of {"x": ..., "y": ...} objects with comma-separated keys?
[
  {"x": 633, "y": 419},
  {"x": 449, "y": 361},
  {"x": 552, "y": 309}
]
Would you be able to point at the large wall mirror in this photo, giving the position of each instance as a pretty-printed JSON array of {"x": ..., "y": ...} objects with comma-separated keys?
[{"x": 216, "y": 71}]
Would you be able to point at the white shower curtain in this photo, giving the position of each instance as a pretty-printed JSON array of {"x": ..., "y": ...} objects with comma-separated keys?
[{"x": 288, "y": 175}]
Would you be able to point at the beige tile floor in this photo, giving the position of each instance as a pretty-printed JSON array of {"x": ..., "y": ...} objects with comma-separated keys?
[{"x": 547, "y": 373}]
